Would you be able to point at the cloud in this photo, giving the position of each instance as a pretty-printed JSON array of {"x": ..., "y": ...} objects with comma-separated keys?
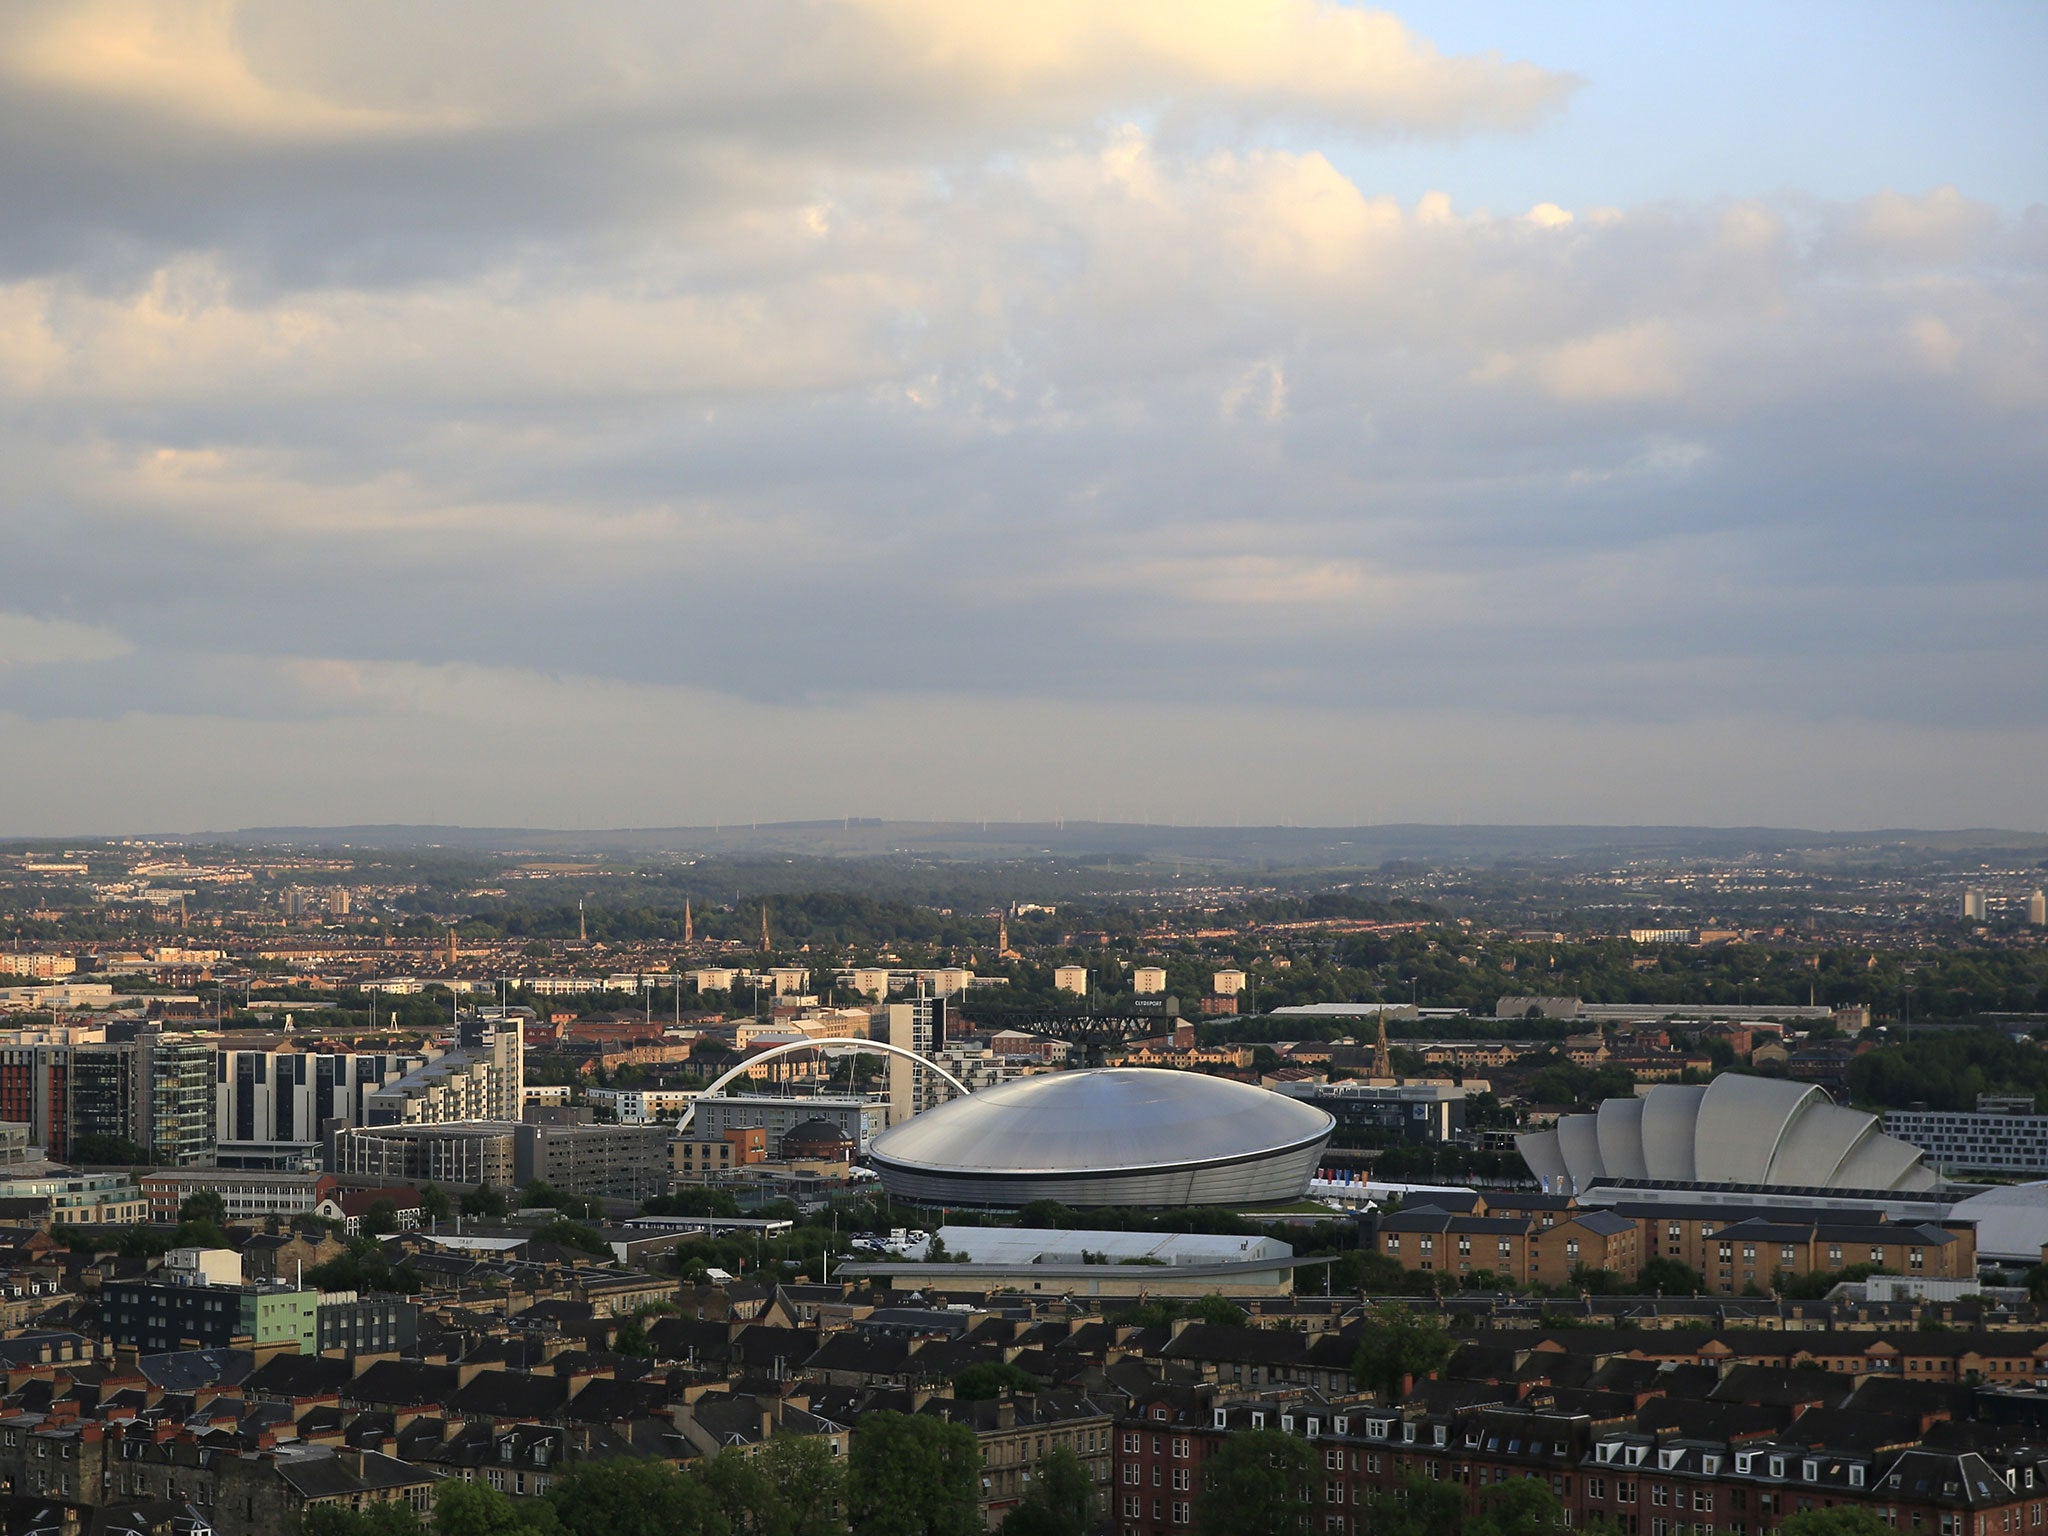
[
  {"x": 27, "y": 641},
  {"x": 835, "y": 368}
]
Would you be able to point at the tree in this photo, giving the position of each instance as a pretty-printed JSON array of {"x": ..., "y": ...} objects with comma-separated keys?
[
  {"x": 1842, "y": 1520},
  {"x": 483, "y": 1201},
  {"x": 1218, "y": 1310},
  {"x": 569, "y": 1234},
  {"x": 1060, "y": 1502},
  {"x": 693, "y": 1202},
  {"x": 435, "y": 1204},
  {"x": 913, "y": 1475},
  {"x": 1668, "y": 1277},
  {"x": 1259, "y": 1483},
  {"x": 809, "y": 1482},
  {"x": 1398, "y": 1344},
  {"x": 381, "y": 1219},
  {"x": 471, "y": 1509},
  {"x": 388, "y": 1517},
  {"x": 1522, "y": 1506},
  {"x": 992, "y": 1378},
  {"x": 97, "y": 1147},
  {"x": 204, "y": 1205},
  {"x": 1420, "y": 1507},
  {"x": 625, "y": 1496},
  {"x": 742, "y": 1493}
]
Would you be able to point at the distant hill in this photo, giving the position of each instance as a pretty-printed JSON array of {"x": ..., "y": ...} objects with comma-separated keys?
[{"x": 1231, "y": 847}]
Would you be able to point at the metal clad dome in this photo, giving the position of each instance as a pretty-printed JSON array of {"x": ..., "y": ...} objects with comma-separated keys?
[
  {"x": 1113, "y": 1136},
  {"x": 1738, "y": 1130}
]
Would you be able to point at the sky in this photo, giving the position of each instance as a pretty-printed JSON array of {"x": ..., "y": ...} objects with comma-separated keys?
[{"x": 1170, "y": 410}]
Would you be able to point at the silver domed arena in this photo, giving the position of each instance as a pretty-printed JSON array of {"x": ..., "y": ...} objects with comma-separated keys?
[{"x": 1111, "y": 1136}]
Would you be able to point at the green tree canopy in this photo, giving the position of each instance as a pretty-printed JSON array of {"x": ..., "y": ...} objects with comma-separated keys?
[
  {"x": 207, "y": 1205},
  {"x": 1521, "y": 1506},
  {"x": 1258, "y": 1483},
  {"x": 992, "y": 1378},
  {"x": 389, "y": 1518},
  {"x": 1421, "y": 1507},
  {"x": 913, "y": 1475},
  {"x": 1668, "y": 1277},
  {"x": 1842, "y": 1520},
  {"x": 1060, "y": 1502},
  {"x": 624, "y": 1496},
  {"x": 472, "y": 1509},
  {"x": 809, "y": 1483},
  {"x": 1397, "y": 1344},
  {"x": 97, "y": 1147}
]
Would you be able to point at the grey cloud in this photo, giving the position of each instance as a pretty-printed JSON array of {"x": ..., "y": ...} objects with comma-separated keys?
[{"x": 659, "y": 394}]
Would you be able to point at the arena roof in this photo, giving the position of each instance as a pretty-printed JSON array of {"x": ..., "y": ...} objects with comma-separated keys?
[
  {"x": 1737, "y": 1130},
  {"x": 1111, "y": 1136},
  {"x": 1115, "y": 1118}
]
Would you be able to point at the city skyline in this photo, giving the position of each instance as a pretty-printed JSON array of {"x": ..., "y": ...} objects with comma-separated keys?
[{"x": 1245, "y": 414}]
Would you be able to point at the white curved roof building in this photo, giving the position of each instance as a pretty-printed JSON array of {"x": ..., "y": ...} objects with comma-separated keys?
[
  {"x": 1113, "y": 1136},
  {"x": 1735, "y": 1130}
]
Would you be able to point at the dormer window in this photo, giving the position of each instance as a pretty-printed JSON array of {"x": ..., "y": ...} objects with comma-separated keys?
[
  {"x": 1606, "y": 1450},
  {"x": 1315, "y": 1427},
  {"x": 1744, "y": 1460},
  {"x": 1810, "y": 1471},
  {"x": 1344, "y": 1428},
  {"x": 1667, "y": 1459},
  {"x": 1408, "y": 1433},
  {"x": 505, "y": 1451},
  {"x": 1443, "y": 1435},
  {"x": 1287, "y": 1422},
  {"x": 1710, "y": 1465},
  {"x": 1777, "y": 1466},
  {"x": 1258, "y": 1419}
]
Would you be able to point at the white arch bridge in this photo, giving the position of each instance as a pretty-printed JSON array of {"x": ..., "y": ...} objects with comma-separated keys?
[{"x": 791, "y": 1047}]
